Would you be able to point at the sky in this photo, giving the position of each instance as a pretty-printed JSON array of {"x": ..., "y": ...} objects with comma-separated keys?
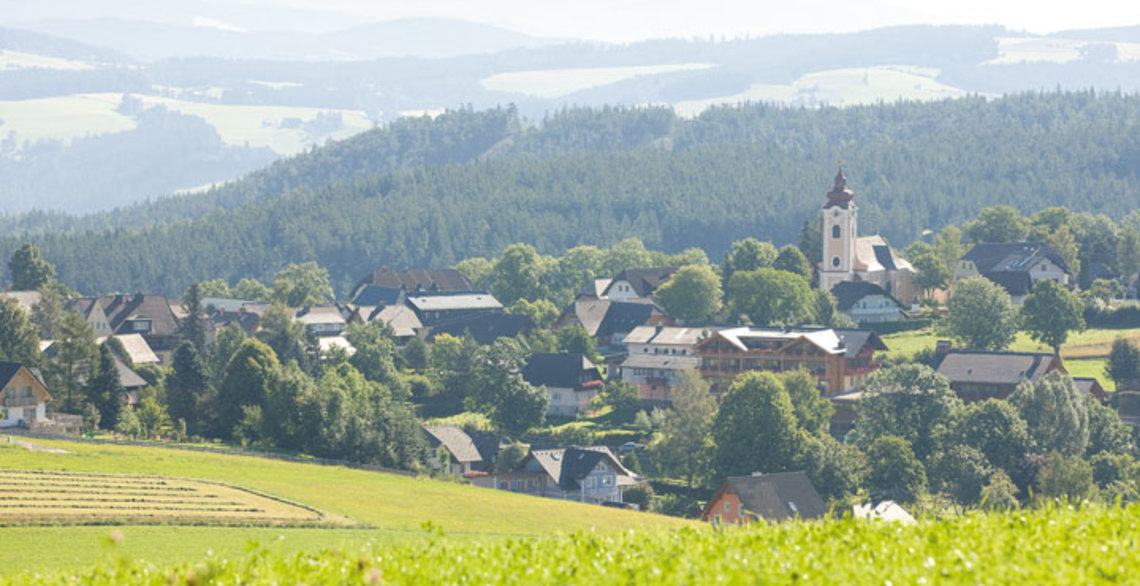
[{"x": 633, "y": 20}]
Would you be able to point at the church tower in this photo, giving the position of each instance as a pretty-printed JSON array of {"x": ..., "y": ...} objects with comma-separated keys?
[{"x": 840, "y": 217}]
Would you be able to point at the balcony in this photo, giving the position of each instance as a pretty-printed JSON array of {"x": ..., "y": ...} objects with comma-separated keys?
[{"x": 20, "y": 402}]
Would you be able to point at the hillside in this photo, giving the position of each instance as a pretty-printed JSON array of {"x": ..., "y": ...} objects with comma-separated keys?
[
  {"x": 431, "y": 192},
  {"x": 391, "y": 507}
]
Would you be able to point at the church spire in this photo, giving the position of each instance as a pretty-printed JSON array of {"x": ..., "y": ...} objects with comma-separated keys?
[{"x": 840, "y": 195}]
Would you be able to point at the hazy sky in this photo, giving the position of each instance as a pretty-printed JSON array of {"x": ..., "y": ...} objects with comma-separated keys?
[{"x": 628, "y": 20}]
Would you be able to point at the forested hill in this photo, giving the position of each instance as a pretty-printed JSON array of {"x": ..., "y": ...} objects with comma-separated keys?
[{"x": 431, "y": 192}]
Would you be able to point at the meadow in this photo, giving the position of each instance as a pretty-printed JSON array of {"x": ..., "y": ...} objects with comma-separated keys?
[
  {"x": 388, "y": 508},
  {"x": 1054, "y": 544}
]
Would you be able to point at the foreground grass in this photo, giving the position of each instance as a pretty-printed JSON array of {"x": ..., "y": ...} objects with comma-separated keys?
[
  {"x": 398, "y": 507},
  {"x": 1054, "y": 545}
]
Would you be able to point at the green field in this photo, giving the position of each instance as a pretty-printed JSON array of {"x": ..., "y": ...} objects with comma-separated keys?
[
  {"x": 396, "y": 507},
  {"x": 1052, "y": 545}
]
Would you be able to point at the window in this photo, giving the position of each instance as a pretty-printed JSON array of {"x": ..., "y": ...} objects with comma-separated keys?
[
  {"x": 836, "y": 231},
  {"x": 835, "y": 262},
  {"x": 27, "y": 392},
  {"x": 727, "y": 506}
]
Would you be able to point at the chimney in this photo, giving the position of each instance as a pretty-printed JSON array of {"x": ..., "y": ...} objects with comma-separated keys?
[{"x": 943, "y": 346}]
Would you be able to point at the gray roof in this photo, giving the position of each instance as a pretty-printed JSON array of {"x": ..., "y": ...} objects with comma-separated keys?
[
  {"x": 568, "y": 466},
  {"x": 412, "y": 280},
  {"x": 779, "y": 496},
  {"x": 848, "y": 293},
  {"x": 667, "y": 335},
  {"x": 643, "y": 281},
  {"x": 1003, "y": 368},
  {"x": 455, "y": 440},
  {"x": 454, "y": 301},
  {"x": 402, "y": 319},
  {"x": 559, "y": 370}
]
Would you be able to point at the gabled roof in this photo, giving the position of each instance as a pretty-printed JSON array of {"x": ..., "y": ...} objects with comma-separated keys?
[
  {"x": 128, "y": 377},
  {"x": 377, "y": 295},
  {"x": 455, "y": 440},
  {"x": 568, "y": 466},
  {"x": 467, "y": 300},
  {"x": 559, "y": 370},
  {"x": 1090, "y": 386},
  {"x": 320, "y": 314},
  {"x": 776, "y": 497},
  {"x": 83, "y": 305},
  {"x": 414, "y": 280},
  {"x": 484, "y": 327},
  {"x": 669, "y": 335},
  {"x": 603, "y": 317},
  {"x": 643, "y": 281},
  {"x": 886, "y": 510},
  {"x": 136, "y": 348},
  {"x": 1012, "y": 256},
  {"x": 9, "y": 370},
  {"x": 1000, "y": 368},
  {"x": 872, "y": 253},
  {"x": 595, "y": 288},
  {"x": 848, "y": 293},
  {"x": 121, "y": 309},
  {"x": 400, "y": 318},
  {"x": 833, "y": 341}
]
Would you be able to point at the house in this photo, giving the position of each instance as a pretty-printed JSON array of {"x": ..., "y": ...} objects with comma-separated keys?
[
  {"x": 571, "y": 379},
  {"x": 657, "y": 355},
  {"x": 772, "y": 497},
  {"x": 842, "y": 359},
  {"x": 463, "y": 456},
  {"x": 403, "y": 321},
  {"x": 132, "y": 383},
  {"x": 145, "y": 314},
  {"x": 92, "y": 311},
  {"x": 1016, "y": 266},
  {"x": 1090, "y": 386},
  {"x": 410, "y": 281},
  {"x": 135, "y": 347},
  {"x": 595, "y": 289},
  {"x": 884, "y": 510},
  {"x": 484, "y": 328},
  {"x": 867, "y": 303},
  {"x": 845, "y": 414},
  {"x": 438, "y": 308},
  {"x": 850, "y": 257},
  {"x": 608, "y": 321},
  {"x": 322, "y": 320},
  {"x": 23, "y": 396},
  {"x": 976, "y": 375},
  {"x": 589, "y": 475},
  {"x": 634, "y": 284}
]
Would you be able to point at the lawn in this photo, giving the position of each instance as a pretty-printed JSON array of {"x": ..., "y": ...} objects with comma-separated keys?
[{"x": 396, "y": 506}]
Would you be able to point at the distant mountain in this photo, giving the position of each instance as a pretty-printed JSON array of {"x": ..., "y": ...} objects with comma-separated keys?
[{"x": 200, "y": 36}]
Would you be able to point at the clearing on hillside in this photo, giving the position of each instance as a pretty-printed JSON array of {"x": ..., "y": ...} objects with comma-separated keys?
[{"x": 39, "y": 497}]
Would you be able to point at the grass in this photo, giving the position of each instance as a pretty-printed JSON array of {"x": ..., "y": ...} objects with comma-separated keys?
[
  {"x": 13, "y": 60},
  {"x": 397, "y": 506},
  {"x": 1050, "y": 545},
  {"x": 62, "y": 118}
]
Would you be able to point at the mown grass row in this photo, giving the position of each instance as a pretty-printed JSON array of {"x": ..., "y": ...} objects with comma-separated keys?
[{"x": 1055, "y": 544}]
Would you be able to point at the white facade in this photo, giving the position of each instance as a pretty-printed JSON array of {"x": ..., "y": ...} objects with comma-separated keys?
[
  {"x": 875, "y": 309},
  {"x": 657, "y": 355},
  {"x": 567, "y": 402},
  {"x": 25, "y": 415}
]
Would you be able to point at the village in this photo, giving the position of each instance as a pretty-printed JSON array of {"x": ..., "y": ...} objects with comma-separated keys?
[{"x": 633, "y": 380}]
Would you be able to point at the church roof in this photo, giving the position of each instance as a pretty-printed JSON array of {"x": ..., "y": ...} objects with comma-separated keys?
[
  {"x": 872, "y": 254},
  {"x": 840, "y": 196}
]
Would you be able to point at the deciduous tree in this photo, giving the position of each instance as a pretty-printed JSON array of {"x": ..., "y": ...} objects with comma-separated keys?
[
  {"x": 693, "y": 293},
  {"x": 980, "y": 315},
  {"x": 28, "y": 269},
  {"x": 755, "y": 429},
  {"x": 1056, "y": 413},
  {"x": 1050, "y": 312}
]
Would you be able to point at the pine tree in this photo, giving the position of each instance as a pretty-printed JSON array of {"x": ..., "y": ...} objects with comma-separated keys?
[
  {"x": 192, "y": 328},
  {"x": 187, "y": 386},
  {"x": 104, "y": 390}
]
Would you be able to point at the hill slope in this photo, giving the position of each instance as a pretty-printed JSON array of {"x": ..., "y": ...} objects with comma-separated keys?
[{"x": 429, "y": 193}]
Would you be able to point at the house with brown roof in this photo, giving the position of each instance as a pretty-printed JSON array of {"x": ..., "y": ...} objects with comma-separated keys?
[
  {"x": 463, "y": 456},
  {"x": 976, "y": 375},
  {"x": 387, "y": 283},
  {"x": 1090, "y": 386},
  {"x": 92, "y": 311},
  {"x": 589, "y": 475},
  {"x": 148, "y": 315},
  {"x": 23, "y": 396},
  {"x": 842, "y": 359},
  {"x": 771, "y": 497},
  {"x": 608, "y": 321}
]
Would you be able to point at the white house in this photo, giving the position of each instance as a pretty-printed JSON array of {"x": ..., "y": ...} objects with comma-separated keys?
[
  {"x": 1016, "y": 266},
  {"x": 657, "y": 355},
  {"x": 571, "y": 379},
  {"x": 23, "y": 396},
  {"x": 867, "y": 303}
]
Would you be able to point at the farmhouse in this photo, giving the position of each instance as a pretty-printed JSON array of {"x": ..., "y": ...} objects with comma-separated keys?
[
  {"x": 867, "y": 303},
  {"x": 1016, "y": 266},
  {"x": 462, "y": 454},
  {"x": 976, "y": 375},
  {"x": 590, "y": 475},
  {"x": 145, "y": 314},
  {"x": 773, "y": 497},
  {"x": 841, "y": 358},
  {"x": 571, "y": 379},
  {"x": 657, "y": 355},
  {"x": 23, "y": 396},
  {"x": 608, "y": 322},
  {"x": 438, "y": 308},
  {"x": 636, "y": 284}
]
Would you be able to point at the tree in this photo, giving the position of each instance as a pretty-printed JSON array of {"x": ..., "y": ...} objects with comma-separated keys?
[
  {"x": 999, "y": 493},
  {"x": 47, "y": 313},
  {"x": 813, "y": 412},
  {"x": 1107, "y": 433},
  {"x": 192, "y": 328},
  {"x": 477, "y": 270},
  {"x": 375, "y": 355},
  {"x": 301, "y": 284},
  {"x": 521, "y": 273},
  {"x": 575, "y": 340},
  {"x": 893, "y": 468},
  {"x": 1057, "y": 416},
  {"x": 769, "y": 296},
  {"x": 227, "y": 340},
  {"x": 542, "y": 313},
  {"x": 996, "y": 429},
  {"x": 104, "y": 389},
  {"x": 790, "y": 259},
  {"x": 126, "y": 422},
  {"x": 517, "y": 406},
  {"x": 416, "y": 354},
  {"x": 214, "y": 288},
  {"x": 187, "y": 386},
  {"x": 281, "y": 332},
  {"x": 980, "y": 315},
  {"x": 693, "y": 294},
  {"x": 684, "y": 444},
  {"x": 251, "y": 290},
  {"x": 835, "y": 469},
  {"x": 1123, "y": 362},
  {"x": 949, "y": 248},
  {"x": 245, "y": 383},
  {"x": 931, "y": 272},
  {"x": 910, "y": 401},
  {"x": 748, "y": 255},
  {"x": 825, "y": 310},
  {"x": 755, "y": 428},
  {"x": 1128, "y": 253},
  {"x": 998, "y": 224},
  {"x": 1050, "y": 312},
  {"x": 962, "y": 472},
  {"x": 1068, "y": 478},
  {"x": 18, "y": 339},
  {"x": 28, "y": 269},
  {"x": 1061, "y": 240},
  {"x": 75, "y": 353},
  {"x": 811, "y": 238},
  {"x": 1106, "y": 290},
  {"x": 580, "y": 266},
  {"x": 152, "y": 418}
]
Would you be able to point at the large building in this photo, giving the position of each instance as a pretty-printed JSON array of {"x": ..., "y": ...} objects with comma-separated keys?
[
  {"x": 657, "y": 355},
  {"x": 841, "y": 358},
  {"x": 849, "y": 257},
  {"x": 1016, "y": 266}
]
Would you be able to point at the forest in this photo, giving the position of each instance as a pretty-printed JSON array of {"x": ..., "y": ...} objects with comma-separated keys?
[{"x": 431, "y": 192}]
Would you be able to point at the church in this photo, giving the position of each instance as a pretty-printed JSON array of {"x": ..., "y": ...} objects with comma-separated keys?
[{"x": 847, "y": 257}]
